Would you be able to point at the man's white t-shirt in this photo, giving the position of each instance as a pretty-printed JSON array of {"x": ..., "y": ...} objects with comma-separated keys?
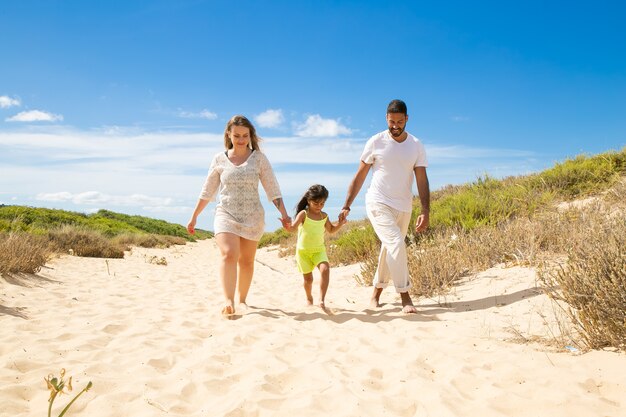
[{"x": 393, "y": 166}]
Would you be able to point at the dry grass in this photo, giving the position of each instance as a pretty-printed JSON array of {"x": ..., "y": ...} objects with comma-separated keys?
[
  {"x": 593, "y": 282},
  {"x": 147, "y": 240},
  {"x": 21, "y": 252},
  {"x": 84, "y": 242}
]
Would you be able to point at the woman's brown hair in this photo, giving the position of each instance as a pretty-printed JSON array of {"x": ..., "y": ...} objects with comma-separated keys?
[{"x": 239, "y": 120}]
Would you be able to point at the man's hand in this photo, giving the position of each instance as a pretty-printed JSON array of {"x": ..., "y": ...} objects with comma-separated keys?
[
  {"x": 343, "y": 215},
  {"x": 421, "y": 223}
]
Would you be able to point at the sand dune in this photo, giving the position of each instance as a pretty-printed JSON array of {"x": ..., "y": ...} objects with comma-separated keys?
[{"x": 151, "y": 339}]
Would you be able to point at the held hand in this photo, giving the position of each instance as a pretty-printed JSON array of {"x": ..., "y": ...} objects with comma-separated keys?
[
  {"x": 191, "y": 226},
  {"x": 422, "y": 223},
  {"x": 286, "y": 222},
  {"x": 343, "y": 215}
]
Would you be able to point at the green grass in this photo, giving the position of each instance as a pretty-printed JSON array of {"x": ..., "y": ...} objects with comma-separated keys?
[
  {"x": 488, "y": 202},
  {"x": 40, "y": 221}
]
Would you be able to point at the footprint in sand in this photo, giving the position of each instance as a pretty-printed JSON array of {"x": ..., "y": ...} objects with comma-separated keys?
[{"x": 161, "y": 364}]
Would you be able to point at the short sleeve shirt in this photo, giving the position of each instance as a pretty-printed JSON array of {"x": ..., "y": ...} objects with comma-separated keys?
[{"x": 393, "y": 166}]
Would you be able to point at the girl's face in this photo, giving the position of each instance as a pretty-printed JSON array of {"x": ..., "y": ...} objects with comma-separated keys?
[
  {"x": 239, "y": 136},
  {"x": 316, "y": 205}
]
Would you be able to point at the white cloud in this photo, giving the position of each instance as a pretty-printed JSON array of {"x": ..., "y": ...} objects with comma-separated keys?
[
  {"x": 270, "y": 118},
  {"x": 159, "y": 174},
  {"x": 35, "y": 116},
  {"x": 95, "y": 197},
  {"x": 460, "y": 118},
  {"x": 315, "y": 127},
  {"x": 6, "y": 102},
  {"x": 203, "y": 114},
  {"x": 186, "y": 210}
]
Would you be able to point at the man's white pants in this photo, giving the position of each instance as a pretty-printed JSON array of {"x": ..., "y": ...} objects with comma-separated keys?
[{"x": 391, "y": 227}]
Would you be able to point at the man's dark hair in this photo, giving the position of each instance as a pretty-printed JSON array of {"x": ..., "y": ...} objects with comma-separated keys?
[{"x": 397, "y": 106}]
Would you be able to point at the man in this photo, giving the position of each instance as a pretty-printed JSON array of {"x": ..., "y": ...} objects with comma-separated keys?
[{"x": 395, "y": 157}]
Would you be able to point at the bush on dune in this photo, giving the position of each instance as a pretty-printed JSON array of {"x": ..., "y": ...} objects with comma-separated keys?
[
  {"x": 84, "y": 242},
  {"x": 21, "y": 252}
]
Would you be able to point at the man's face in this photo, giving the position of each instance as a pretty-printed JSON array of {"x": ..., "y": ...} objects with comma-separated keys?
[{"x": 396, "y": 123}]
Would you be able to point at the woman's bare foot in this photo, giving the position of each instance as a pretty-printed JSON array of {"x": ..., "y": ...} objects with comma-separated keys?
[
  {"x": 309, "y": 301},
  {"x": 242, "y": 307},
  {"x": 228, "y": 310}
]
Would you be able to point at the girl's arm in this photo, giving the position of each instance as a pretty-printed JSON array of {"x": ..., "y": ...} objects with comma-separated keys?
[
  {"x": 297, "y": 222},
  {"x": 333, "y": 227}
]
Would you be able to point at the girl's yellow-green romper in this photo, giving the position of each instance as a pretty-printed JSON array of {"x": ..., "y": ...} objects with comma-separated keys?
[{"x": 310, "y": 249}]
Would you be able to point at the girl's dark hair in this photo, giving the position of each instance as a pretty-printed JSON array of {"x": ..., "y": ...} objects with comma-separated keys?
[{"x": 315, "y": 192}]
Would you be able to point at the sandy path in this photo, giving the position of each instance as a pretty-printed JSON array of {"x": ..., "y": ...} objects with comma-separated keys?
[{"x": 151, "y": 340}]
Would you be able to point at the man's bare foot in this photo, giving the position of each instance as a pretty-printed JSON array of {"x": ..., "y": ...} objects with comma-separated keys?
[
  {"x": 407, "y": 304},
  {"x": 409, "y": 309},
  {"x": 375, "y": 301},
  {"x": 228, "y": 310}
]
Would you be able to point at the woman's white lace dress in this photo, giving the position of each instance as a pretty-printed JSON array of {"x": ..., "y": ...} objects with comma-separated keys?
[{"x": 239, "y": 210}]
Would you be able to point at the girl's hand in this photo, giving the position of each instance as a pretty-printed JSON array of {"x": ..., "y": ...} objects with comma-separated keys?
[{"x": 191, "y": 226}]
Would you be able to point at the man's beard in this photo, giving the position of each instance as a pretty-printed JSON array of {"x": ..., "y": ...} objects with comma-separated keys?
[{"x": 396, "y": 132}]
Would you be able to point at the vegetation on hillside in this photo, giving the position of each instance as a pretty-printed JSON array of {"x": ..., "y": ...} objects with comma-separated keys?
[
  {"x": 526, "y": 220},
  {"x": 29, "y": 235}
]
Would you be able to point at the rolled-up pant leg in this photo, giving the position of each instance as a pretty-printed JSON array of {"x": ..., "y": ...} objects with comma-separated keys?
[{"x": 391, "y": 227}]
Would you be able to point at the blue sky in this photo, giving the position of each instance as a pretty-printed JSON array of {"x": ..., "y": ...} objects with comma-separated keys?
[{"x": 121, "y": 105}]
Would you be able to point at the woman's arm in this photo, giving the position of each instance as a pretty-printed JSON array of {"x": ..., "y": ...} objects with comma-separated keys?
[{"x": 191, "y": 226}]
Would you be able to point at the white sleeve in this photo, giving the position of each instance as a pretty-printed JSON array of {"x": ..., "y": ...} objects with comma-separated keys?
[
  {"x": 421, "y": 160},
  {"x": 212, "y": 182},
  {"x": 368, "y": 152}
]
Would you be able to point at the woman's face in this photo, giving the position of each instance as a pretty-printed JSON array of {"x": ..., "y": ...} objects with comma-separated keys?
[{"x": 239, "y": 136}]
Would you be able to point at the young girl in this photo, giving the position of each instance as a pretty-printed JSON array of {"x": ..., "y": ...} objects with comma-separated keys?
[{"x": 311, "y": 222}]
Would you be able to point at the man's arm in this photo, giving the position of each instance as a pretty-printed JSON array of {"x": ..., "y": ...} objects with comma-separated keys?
[
  {"x": 423, "y": 188},
  {"x": 354, "y": 188}
]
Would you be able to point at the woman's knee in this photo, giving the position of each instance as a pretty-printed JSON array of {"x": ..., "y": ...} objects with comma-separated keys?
[
  {"x": 246, "y": 261},
  {"x": 230, "y": 255}
]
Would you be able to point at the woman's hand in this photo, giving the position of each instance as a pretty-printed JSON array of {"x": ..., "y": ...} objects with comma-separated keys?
[{"x": 191, "y": 226}]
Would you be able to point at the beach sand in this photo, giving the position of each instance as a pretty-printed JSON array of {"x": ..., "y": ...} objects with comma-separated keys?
[{"x": 152, "y": 341}]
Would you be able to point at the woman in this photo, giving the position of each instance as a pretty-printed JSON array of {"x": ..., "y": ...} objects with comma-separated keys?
[{"x": 239, "y": 215}]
